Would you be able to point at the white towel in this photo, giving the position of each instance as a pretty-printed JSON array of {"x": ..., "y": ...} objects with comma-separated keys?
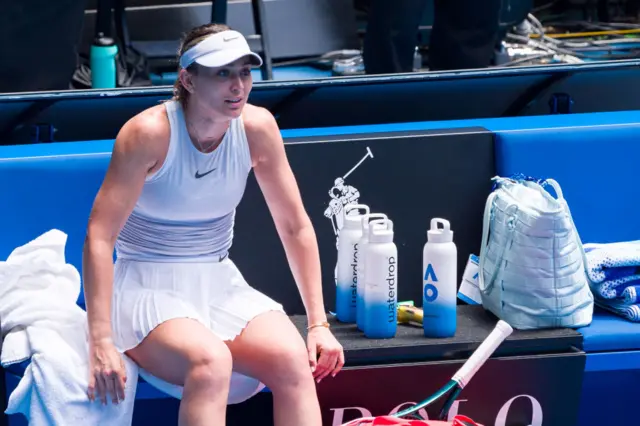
[{"x": 41, "y": 321}]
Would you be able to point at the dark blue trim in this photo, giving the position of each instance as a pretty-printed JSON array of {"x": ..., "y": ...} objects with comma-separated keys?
[
  {"x": 498, "y": 125},
  {"x": 341, "y": 81}
]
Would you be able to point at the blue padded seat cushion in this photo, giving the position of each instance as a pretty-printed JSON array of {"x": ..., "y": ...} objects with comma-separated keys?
[{"x": 609, "y": 333}]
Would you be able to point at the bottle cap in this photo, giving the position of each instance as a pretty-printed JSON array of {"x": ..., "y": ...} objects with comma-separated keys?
[
  {"x": 103, "y": 41},
  {"x": 381, "y": 231},
  {"x": 366, "y": 223},
  {"x": 354, "y": 221},
  {"x": 440, "y": 235}
]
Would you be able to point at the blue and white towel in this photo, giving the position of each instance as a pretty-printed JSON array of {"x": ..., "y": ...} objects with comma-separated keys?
[
  {"x": 631, "y": 312},
  {"x": 614, "y": 276}
]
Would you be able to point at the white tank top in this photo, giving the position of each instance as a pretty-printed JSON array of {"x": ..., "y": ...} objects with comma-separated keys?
[{"x": 186, "y": 210}]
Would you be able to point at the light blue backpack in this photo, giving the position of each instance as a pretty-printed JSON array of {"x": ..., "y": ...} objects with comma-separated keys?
[{"x": 532, "y": 263}]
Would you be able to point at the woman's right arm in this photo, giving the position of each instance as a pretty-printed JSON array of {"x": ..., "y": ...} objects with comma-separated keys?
[{"x": 134, "y": 155}]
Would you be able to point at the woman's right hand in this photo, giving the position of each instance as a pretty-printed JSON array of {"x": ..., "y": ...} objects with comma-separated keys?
[{"x": 107, "y": 373}]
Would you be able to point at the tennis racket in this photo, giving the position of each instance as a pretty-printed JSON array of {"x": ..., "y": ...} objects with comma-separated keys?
[
  {"x": 463, "y": 376},
  {"x": 460, "y": 379}
]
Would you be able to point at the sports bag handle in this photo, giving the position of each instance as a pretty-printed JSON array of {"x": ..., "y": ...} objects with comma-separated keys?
[
  {"x": 556, "y": 187},
  {"x": 486, "y": 224},
  {"x": 560, "y": 195},
  {"x": 565, "y": 205}
]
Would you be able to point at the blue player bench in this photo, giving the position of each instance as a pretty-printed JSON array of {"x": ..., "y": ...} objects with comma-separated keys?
[
  {"x": 591, "y": 155},
  {"x": 594, "y": 157}
]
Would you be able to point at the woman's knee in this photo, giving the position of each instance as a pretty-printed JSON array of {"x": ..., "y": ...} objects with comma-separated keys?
[
  {"x": 287, "y": 364},
  {"x": 272, "y": 350},
  {"x": 209, "y": 365},
  {"x": 182, "y": 349}
]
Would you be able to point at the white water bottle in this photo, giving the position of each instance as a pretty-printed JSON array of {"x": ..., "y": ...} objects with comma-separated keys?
[
  {"x": 362, "y": 245},
  {"x": 347, "y": 269},
  {"x": 439, "y": 281},
  {"x": 381, "y": 282}
]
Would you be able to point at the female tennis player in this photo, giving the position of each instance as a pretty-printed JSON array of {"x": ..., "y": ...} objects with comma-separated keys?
[{"x": 174, "y": 301}]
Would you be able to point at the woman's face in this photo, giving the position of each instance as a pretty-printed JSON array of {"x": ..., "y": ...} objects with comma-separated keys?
[{"x": 223, "y": 90}]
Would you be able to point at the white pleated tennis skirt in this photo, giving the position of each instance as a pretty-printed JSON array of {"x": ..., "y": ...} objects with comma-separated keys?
[{"x": 146, "y": 294}]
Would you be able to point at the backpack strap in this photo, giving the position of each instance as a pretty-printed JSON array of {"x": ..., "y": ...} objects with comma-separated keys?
[{"x": 487, "y": 286}]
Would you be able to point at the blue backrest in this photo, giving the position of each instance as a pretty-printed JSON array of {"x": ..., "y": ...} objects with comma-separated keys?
[
  {"x": 596, "y": 166},
  {"x": 50, "y": 186}
]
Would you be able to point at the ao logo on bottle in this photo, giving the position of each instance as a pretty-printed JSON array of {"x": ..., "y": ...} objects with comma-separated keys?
[{"x": 430, "y": 292}]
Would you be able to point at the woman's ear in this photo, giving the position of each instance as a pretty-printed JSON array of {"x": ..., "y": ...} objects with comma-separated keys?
[{"x": 186, "y": 78}]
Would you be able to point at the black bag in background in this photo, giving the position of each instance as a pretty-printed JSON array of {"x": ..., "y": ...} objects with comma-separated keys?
[{"x": 132, "y": 70}]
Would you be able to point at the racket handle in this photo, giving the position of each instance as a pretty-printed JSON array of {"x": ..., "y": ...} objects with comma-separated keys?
[{"x": 501, "y": 331}]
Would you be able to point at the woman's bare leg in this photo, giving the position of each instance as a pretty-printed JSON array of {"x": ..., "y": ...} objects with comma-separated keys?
[
  {"x": 185, "y": 353},
  {"x": 272, "y": 350}
]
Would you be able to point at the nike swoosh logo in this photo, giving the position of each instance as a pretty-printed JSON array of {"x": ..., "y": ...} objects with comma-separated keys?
[{"x": 199, "y": 175}]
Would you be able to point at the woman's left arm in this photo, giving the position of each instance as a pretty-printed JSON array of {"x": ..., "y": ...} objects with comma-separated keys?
[{"x": 281, "y": 192}]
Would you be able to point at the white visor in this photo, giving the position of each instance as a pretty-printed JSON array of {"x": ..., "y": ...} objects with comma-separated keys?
[{"x": 218, "y": 50}]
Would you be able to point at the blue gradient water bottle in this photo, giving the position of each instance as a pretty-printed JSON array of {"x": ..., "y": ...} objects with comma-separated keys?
[
  {"x": 103, "y": 62},
  {"x": 362, "y": 245},
  {"x": 348, "y": 257},
  {"x": 381, "y": 282},
  {"x": 439, "y": 281}
]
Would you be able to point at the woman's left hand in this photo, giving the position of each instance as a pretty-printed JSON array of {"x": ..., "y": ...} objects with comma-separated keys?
[{"x": 325, "y": 353}]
